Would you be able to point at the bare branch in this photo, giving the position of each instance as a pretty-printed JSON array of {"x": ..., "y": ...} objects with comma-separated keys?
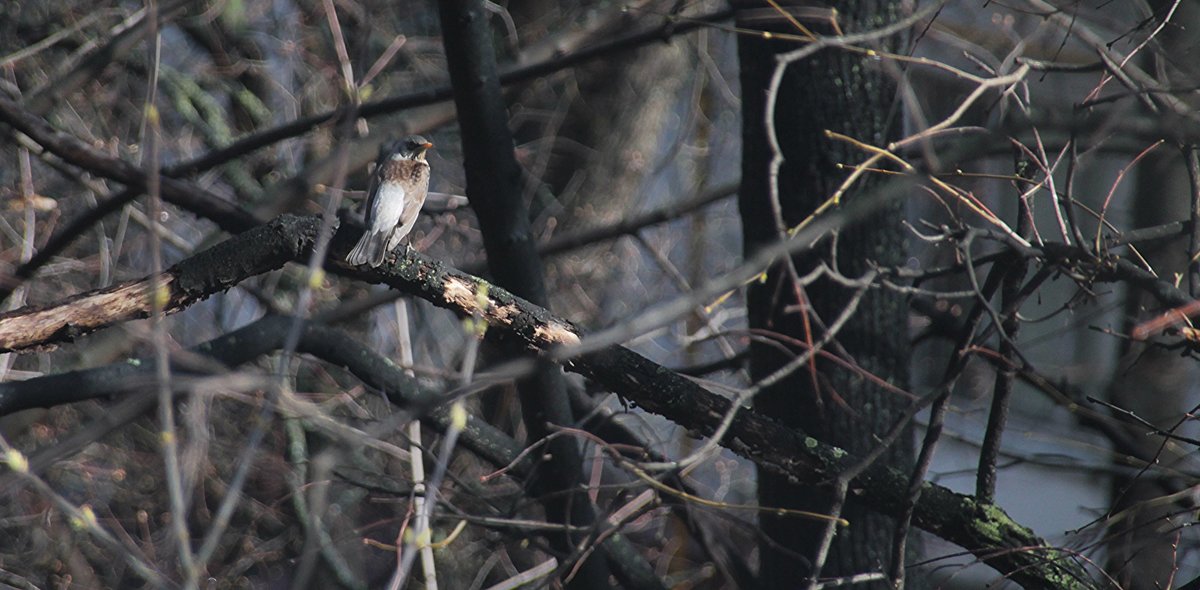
[{"x": 982, "y": 528}]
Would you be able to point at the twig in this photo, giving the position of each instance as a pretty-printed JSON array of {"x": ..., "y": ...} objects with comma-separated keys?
[{"x": 1010, "y": 303}]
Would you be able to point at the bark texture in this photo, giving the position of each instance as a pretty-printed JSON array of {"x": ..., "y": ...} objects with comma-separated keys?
[
  {"x": 494, "y": 190},
  {"x": 787, "y": 453},
  {"x": 843, "y": 92}
]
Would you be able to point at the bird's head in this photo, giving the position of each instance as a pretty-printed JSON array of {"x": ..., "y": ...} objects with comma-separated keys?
[{"x": 410, "y": 148}]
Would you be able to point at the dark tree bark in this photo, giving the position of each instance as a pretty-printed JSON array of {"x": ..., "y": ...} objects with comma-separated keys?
[
  {"x": 785, "y": 452},
  {"x": 494, "y": 190},
  {"x": 1151, "y": 381},
  {"x": 842, "y": 92}
]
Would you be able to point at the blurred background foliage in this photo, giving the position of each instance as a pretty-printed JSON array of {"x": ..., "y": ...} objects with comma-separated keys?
[{"x": 620, "y": 135}]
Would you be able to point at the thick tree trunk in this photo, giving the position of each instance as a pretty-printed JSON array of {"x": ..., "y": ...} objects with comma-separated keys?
[
  {"x": 843, "y": 92},
  {"x": 1153, "y": 382},
  {"x": 494, "y": 189}
]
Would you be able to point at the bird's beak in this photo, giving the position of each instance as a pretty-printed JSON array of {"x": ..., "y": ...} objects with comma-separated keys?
[{"x": 421, "y": 149}]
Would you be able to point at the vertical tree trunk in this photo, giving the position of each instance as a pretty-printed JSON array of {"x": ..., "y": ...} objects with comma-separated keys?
[
  {"x": 1153, "y": 382},
  {"x": 843, "y": 92},
  {"x": 494, "y": 190},
  {"x": 605, "y": 138}
]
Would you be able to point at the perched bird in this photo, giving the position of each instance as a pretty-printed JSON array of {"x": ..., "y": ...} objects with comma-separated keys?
[{"x": 394, "y": 198}]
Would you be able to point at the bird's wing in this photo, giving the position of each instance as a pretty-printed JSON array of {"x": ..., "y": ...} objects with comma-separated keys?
[
  {"x": 412, "y": 206},
  {"x": 376, "y": 178},
  {"x": 388, "y": 207}
]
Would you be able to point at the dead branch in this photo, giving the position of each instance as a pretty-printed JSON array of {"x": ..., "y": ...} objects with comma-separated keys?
[{"x": 984, "y": 529}]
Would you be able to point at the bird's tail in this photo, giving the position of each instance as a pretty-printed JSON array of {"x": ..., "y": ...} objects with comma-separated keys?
[{"x": 369, "y": 250}]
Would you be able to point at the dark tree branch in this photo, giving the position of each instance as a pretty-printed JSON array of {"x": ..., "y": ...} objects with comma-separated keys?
[
  {"x": 630, "y": 225},
  {"x": 1014, "y": 270},
  {"x": 983, "y": 529},
  {"x": 266, "y": 336},
  {"x": 81, "y": 69},
  {"x": 494, "y": 188},
  {"x": 560, "y": 243},
  {"x": 62, "y": 238},
  {"x": 1191, "y": 156},
  {"x": 264, "y": 248},
  {"x": 550, "y": 58},
  {"x": 334, "y": 346},
  {"x": 226, "y": 215}
]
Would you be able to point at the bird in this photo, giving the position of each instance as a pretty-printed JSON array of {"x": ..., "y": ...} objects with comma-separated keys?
[{"x": 395, "y": 195}]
